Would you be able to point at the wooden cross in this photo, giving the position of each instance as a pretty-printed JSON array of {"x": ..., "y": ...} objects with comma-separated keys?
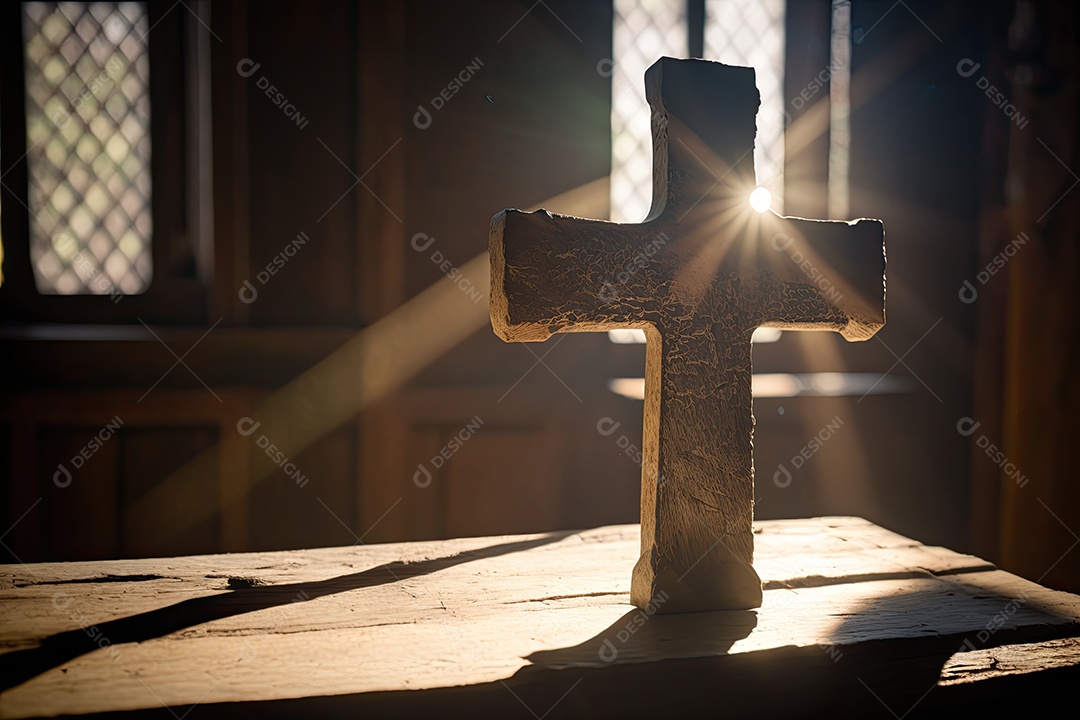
[{"x": 698, "y": 276}]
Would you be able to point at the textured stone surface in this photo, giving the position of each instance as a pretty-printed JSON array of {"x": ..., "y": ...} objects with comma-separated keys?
[{"x": 699, "y": 275}]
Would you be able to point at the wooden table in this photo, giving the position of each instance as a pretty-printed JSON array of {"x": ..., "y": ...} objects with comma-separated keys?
[{"x": 857, "y": 621}]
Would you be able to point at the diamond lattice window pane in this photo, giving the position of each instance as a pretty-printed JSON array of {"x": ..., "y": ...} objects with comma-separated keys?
[
  {"x": 88, "y": 146},
  {"x": 751, "y": 33},
  {"x": 643, "y": 32}
]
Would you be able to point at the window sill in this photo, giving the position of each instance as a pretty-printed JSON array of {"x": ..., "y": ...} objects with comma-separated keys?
[{"x": 130, "y": 356}]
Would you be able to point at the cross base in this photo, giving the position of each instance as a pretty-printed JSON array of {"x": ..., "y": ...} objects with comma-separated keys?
[{"x": 716, "y": 579}]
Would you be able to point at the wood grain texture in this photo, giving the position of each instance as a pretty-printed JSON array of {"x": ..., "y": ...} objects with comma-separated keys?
[
  {"x": 698, "y": 277},
  {"x": 451, "y": 626}
]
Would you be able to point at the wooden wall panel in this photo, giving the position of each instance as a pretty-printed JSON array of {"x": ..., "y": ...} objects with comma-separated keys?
[
  {"x": 302, "y": 162},
  {"x": 1039, "y": 518},
  {"x": 380, "y": 83},
  {"x": 502, "y": 480},
  {"x": 314, "y": 509},
  {"x": 79, "y": 517},
  {"x": 6, "y": 435},
  {"x": 422, "y": 484},
  {"x": 23, "y": 522},
  {"x": 384, "y": 474},
  {"x": 148, "y": 456},
  {"x": 546, "y": 468},
  {"x": 601, "y": 474}
]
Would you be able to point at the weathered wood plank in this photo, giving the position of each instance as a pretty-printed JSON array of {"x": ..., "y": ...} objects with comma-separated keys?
[
  {"x": 536, "y": 612},
  {"x": 1009, "y": 660}
]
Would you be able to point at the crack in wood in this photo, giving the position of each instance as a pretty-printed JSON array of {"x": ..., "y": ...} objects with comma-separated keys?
[
  {"x": 813, "y": 581},
  {"x": 568, "y": 597},
  {"x": 98, "y": 579}
]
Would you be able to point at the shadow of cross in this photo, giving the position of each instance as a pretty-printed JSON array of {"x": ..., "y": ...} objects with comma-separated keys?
[{"x": 698, "y": 276}]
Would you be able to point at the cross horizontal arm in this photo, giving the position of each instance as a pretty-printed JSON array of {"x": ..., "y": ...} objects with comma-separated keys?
[{"x": 555, "y": 273}]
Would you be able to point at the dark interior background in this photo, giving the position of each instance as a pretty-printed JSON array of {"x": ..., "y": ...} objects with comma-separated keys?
[{"x": 394, "y": 362}]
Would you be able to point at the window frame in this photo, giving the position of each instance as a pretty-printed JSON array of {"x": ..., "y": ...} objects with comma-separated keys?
[{"x": 176, "y": 294}]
